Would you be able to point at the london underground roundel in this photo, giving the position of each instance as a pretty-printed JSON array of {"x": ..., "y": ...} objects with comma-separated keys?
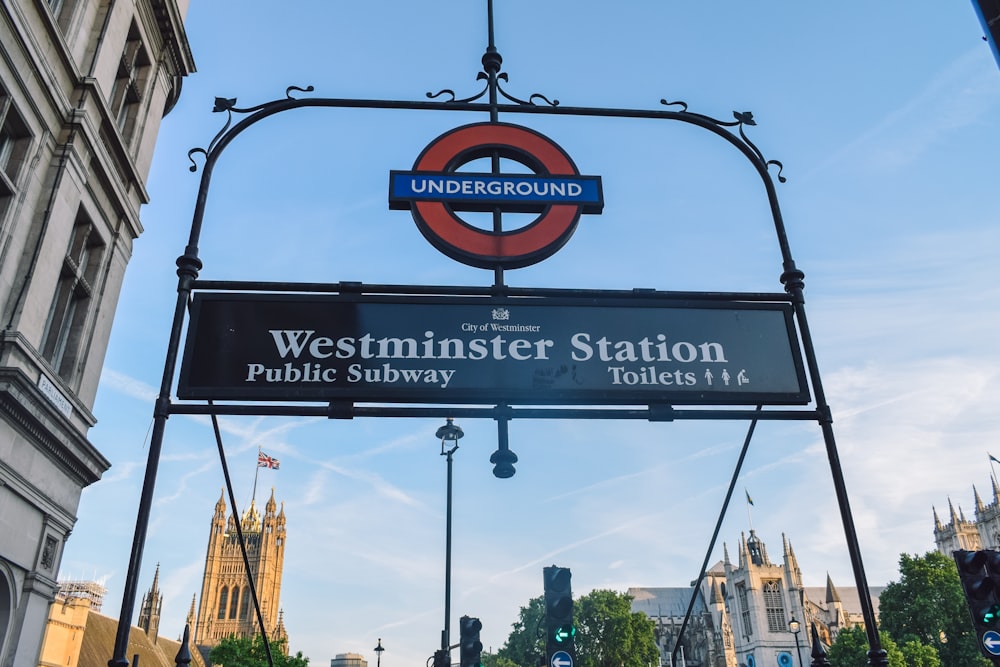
[{"x": 435, "y": 191}]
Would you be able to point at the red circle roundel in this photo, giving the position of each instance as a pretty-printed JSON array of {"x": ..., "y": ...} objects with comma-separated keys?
[{"x": 434, "y": 190}]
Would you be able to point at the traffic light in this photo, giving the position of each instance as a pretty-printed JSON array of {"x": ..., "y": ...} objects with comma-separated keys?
[
  {"x": 559, "y": 628},
  {"x": 979, "y": 572},
  {"x": 470, "y": 649}
]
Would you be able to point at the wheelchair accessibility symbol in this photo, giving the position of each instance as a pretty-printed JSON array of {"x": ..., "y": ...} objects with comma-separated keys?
[{"x": 434, "y": 190}]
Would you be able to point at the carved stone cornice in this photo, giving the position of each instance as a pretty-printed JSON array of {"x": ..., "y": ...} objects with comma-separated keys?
[{"x": 24, "y": 406}]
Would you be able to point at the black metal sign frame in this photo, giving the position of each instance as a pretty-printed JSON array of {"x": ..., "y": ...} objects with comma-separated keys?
[{"x": 493, "y": 100}]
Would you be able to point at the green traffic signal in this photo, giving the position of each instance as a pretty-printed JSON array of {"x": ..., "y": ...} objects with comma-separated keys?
[
  {"x": 990, "y": 615},
  {"x": 559, "y": 626},
  {"x": 563, "y": 633},
  {"x": 979, "y": 573}
]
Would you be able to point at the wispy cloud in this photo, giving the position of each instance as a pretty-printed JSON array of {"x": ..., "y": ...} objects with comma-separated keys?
[
  {"x": 181, "y": 486},
  {"x": 614, "y": 481},
  {"x": 377, "y": 483},
  {"x": 548, "y": 556},
  {"x": 127, "y": 385},
  {"x": 961, "y": 95},
  {"x": 121, "y": 472}
]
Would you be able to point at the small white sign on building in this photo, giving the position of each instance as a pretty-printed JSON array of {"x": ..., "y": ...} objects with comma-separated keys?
[{"x": 55, "y": 396}]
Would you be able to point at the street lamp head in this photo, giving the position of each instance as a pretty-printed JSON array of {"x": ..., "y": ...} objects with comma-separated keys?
[
  {"x": 449, "y": 433},
  {"x": 379, "y": 648},
  {"x": 793, "y": 626},
  {"x": 503, "y": 461}
]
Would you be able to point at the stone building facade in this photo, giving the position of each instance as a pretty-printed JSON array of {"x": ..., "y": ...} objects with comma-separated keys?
[
  {"x": 741, "y": 611},
  {"x": 78, "y": 635},
  {"x": 348, "y": 660},
  {"x": 980, "y": 532},
  {"x": 83, "y": 87},
  {"x": 225, "y": 605}
]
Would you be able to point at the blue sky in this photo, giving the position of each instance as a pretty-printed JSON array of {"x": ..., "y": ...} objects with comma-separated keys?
[{"x": 885, "y": 118}]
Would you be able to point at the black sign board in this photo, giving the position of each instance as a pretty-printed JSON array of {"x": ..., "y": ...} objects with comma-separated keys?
[{"x": 468, "y": 350}]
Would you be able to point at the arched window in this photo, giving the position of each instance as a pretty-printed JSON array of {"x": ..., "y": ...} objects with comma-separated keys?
[
  {"x": 65, "y": 332},
  {"x": 741, "y": 598},
  {"x": 245, "y": 604},
  {"x": 6, "y": 607},
  {"x": 774, "y": 607},
  {"x": 223, "y": 600},
  {"x": 233, "y": 604}
]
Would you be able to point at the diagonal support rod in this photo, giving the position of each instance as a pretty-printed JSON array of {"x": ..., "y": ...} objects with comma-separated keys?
[
  {"x": 715, "y": 534},
  {"x": 239, "y": 535}
]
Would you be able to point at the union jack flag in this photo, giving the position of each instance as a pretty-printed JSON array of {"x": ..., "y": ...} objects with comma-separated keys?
[{"x": 265, "y": 461}]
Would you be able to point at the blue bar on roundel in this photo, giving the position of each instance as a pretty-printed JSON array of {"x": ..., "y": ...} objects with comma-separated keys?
[{"x": 514, "y": 189}]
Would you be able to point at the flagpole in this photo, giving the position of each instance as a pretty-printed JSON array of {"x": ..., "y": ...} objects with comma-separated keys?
[
  {"x": 256, "y": 473},
  {"x": 749, "y": 505}
]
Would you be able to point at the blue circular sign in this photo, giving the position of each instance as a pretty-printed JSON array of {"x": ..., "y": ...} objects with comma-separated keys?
[
  {"x": 991, "y": 642},
  {"x": 561, "y": 659}
]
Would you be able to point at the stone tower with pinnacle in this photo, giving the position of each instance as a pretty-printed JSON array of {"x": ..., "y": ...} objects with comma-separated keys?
[
  {"x": 149, "y": 612},
  {"x": 226, "y": 606},
  {"x": 763, "y": 597}
]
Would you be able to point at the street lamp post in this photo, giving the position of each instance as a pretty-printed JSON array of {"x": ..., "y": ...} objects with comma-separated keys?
[
  {"x": 793, "y": 627},
  {"x": 449, "y": 435},
  {"x": 378, "y": 652}
]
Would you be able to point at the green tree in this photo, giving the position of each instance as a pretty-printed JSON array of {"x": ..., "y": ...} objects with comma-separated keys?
[
  {"x": 927, "y": 605},
  {"x": 526, "y": 643},
  {"x": 850, "y": 649},
  {"x": 497, "y": 660},
  {"x": 250, "y": 652},
  {"x": 608, "y": 633},
  {"x": 920, "y": 655}
]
